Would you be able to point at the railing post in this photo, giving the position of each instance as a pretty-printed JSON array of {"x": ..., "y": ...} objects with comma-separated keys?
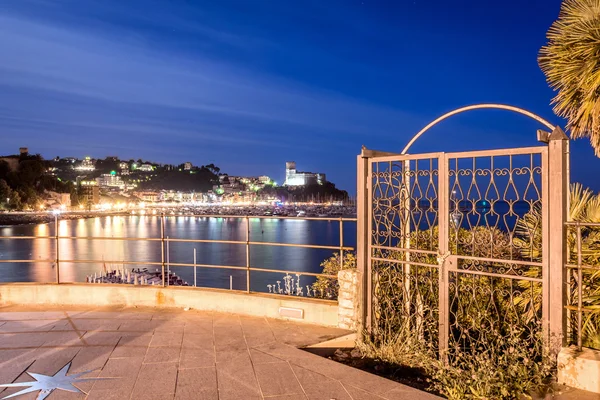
[
  {"x": 341, "y": 244},
  {"x": 168, "y": 262},
  {"x": 555, "y": 294},
  {"x": 362, "y": 243},
  {"x": 247, "y": 254},
  {"x": 57, "y": 248},
  {"x": 162, "y": 247},
  {"x": 405, "y": 201}
]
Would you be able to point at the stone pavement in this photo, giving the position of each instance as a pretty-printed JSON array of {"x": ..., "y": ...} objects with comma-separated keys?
[{"x": 163, "y": 354}]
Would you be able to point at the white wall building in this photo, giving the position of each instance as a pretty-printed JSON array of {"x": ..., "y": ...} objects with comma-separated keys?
[
  {"x": 293, "y": 177},
  {"x": 110, "y": 181}
]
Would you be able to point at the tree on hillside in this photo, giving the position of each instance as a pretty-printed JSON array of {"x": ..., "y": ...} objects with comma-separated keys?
[
  {"x": 212, "y": 168},
  {"x": 15, "y": 202},
  {"x": 571, "y": 63},
  {"x": 4, "y": 169},
  {"x": 5, "y": 192}
]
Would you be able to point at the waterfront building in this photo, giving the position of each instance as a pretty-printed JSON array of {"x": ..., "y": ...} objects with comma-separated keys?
[
  {"x": 56, "y": 200},
  {"x": 90, "y": 192},
  {"x": 293, "y": 177},
  {"x": 111, "y": 180},
  {"x": 148, "y": 196}
]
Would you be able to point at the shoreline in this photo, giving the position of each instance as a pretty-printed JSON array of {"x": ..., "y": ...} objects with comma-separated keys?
[
  {"x": 14, "y": 219},
  {"x": 25, "y": 218}
]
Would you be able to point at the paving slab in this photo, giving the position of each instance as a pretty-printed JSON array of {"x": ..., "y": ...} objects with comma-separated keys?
[
  {"x": 147, "y": 353},
  {"x": 197, "y": 383},
  {"x": 276, "y": 379}
]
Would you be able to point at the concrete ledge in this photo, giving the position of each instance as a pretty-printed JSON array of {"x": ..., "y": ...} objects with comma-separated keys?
[
  {"x": 315, "y": 311},
  {"x": 579, "y": 369}
]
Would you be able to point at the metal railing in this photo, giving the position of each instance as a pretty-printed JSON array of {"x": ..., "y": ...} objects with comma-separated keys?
[
  {"x": 580, "y": 281},
  {"x": 164, "y": 262}
]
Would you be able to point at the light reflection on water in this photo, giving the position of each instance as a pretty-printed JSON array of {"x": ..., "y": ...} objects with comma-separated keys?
[{"x": 115, "y": 251}]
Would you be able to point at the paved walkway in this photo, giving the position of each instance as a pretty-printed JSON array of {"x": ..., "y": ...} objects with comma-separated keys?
[{"x": 155, "y": 354}]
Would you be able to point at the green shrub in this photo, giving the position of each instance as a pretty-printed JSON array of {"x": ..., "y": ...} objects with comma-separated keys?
[
  {"x": 328, "y": 287},
  {"x": 503, "y": 365},
  {"x": 495, "y": 343}
]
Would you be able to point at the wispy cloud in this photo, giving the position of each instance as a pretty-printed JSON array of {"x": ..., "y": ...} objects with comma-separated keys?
[
  {"x": 54, "y": 59},
  {"x": 64, "y": 84}
]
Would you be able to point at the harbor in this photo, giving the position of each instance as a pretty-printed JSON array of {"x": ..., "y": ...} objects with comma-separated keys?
[{"x": 135, "y": 276}]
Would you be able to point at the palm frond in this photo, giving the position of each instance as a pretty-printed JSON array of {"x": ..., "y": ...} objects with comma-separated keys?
[
  {"x": 571, "y": 62},
  {"x": 579, "y": 200}
]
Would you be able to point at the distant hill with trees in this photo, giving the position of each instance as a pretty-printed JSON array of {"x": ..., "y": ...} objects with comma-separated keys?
[
  {"x": 199, "y": 179},
  {"x": 24, "y": 182}
]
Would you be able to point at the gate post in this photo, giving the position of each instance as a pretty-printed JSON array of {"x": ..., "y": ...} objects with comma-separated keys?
[
  {"x": 555, "y": 294},
  {"x": 444, "y": 234},
  {"x": 362, "y": 244}
]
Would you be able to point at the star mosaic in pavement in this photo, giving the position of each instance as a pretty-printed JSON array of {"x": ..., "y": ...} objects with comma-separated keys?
[{"x": 48, "y": 383}]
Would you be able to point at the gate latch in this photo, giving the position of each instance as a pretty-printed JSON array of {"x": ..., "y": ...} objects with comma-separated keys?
[{"x": 441, "y": 258}]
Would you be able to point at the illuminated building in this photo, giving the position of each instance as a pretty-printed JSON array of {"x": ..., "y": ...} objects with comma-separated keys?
[
  {"x": 187, "y": 166},
  {"x": 90, "y": 192},
  {"x": 149, "y": 196},
  {"x": 124, "y": 167},
  {"x": 111, "y": 180},
  {"x": 146, "y": 168},
  {"x": 56, "y": 200},
  {"x": 87, "y": 164},
  {"x": 293, "y": 177}
]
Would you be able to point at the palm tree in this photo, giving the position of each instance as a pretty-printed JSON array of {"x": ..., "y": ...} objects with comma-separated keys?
[
  {"x": 584, "y": 207},
  {"x": 571, "y": 63}
]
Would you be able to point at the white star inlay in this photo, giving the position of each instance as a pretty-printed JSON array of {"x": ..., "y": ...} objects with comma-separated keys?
[{"x": 46, "y": 383}]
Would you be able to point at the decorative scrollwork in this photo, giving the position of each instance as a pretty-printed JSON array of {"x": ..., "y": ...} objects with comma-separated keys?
[{"x": 490, "y": 198}]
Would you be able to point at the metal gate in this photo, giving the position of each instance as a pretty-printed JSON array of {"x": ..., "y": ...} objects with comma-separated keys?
[{"x": 456, "y": 246}]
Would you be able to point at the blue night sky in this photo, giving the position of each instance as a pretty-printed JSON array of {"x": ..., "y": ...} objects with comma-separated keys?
[{"x": 248, "y": 84}]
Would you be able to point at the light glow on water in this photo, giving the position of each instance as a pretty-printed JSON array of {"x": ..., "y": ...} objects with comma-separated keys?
[{"x": 115, "y": 251}]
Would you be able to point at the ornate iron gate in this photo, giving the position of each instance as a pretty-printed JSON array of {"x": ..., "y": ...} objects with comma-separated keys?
[{"x": 455, "y": 246}]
